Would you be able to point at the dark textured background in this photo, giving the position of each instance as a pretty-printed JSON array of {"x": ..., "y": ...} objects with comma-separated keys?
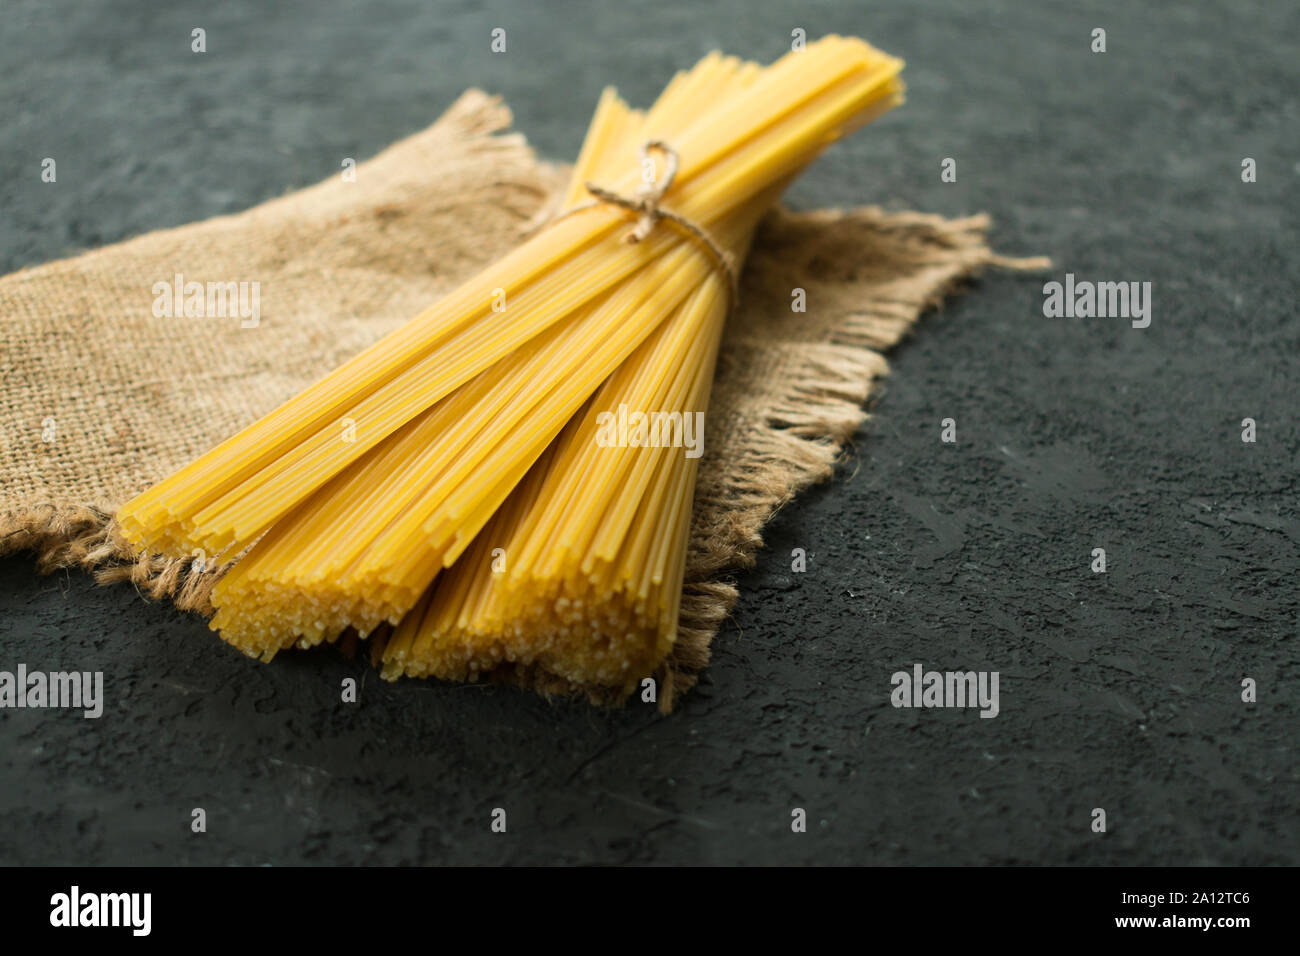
[{"x": 1118, "y": 690}]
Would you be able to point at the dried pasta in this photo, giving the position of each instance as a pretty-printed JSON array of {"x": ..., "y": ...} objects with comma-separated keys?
[{"x": 450, "y": 486}]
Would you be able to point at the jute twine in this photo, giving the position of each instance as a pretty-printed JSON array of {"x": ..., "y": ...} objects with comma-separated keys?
[{"x": 647, "y": 205}]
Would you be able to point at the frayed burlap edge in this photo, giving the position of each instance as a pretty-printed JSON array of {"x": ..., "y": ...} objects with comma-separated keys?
[{"x": 87, "y": 538}]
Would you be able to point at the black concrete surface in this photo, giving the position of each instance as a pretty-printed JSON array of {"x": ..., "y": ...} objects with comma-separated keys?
[{"x": 1119, "y": 690}]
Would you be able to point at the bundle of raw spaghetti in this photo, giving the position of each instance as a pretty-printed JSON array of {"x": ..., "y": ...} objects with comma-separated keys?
[{"x": 472, "y": 478}]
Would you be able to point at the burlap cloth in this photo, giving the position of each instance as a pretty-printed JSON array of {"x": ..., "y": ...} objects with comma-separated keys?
[{"x": 101, "y": 398}]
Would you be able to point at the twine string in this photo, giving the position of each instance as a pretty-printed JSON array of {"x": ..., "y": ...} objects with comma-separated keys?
[{"x": 647, "y": 204}]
